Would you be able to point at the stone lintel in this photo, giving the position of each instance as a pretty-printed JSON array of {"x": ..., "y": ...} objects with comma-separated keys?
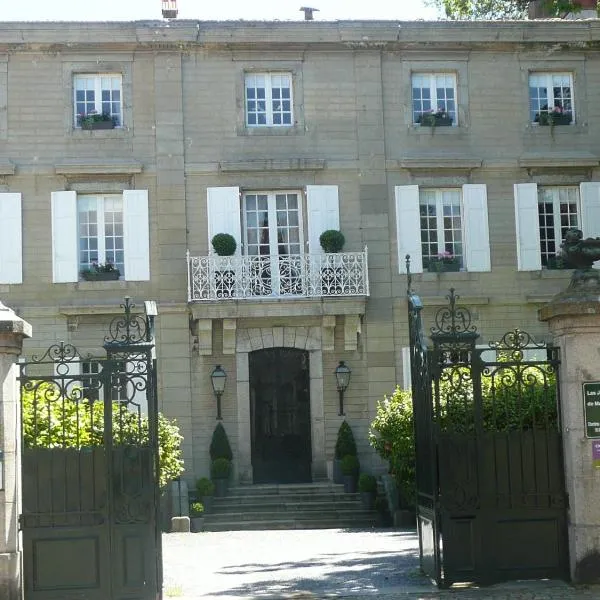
[
  {"x": 428, "y": 163},
  {"x": 564, "y": 160},
  {"x": 98, "y": 168},
  {"x": 290, "y": 164}
]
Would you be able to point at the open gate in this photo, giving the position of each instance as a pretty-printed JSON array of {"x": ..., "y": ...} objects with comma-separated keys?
[
  {"x": 491, "y": 500},
  {"x": 90, "y": 469}
]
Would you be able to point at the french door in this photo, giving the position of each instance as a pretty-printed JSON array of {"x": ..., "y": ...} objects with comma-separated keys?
[{"x": 273, "y": 238}]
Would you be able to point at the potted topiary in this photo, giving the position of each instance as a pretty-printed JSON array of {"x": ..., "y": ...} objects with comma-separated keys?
[
  {"x": 206, "y": 490},
  {"x": 220, "y": 470},
  {"x": 350, "y": 469},
  {"x": 197, "y": 516},
  {"x": 224, "y": 245},
  {"x": 344, "y": 445},
  {"x": 367, "y": 487},
  {"x": 332, "y": 241}
]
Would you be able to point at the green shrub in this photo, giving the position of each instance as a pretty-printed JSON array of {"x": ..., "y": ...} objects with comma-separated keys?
[
  {"x": 345, "y": 443},
  {"x": 196, "y": 509},
  {"x": 205, "y": 487},
  {"x": 332, "y": 240},
  {"x": 220, "y": 468},
  {"x": 350, "y": 465},
  {"x": 367, "y": 483},
  {"x": 53, "y": 421},
  {"x": 219, "y": 444},
  {"x": 224, "y": 244}
]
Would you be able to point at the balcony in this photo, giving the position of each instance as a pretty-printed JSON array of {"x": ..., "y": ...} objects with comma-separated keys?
[{"x": 290, "y": 276}]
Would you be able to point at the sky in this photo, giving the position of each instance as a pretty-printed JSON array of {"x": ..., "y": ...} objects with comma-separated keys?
[{"x": 128, "y": 10}]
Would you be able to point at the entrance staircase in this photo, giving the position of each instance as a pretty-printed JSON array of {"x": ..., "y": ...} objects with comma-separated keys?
[{"x": 289, "y": 506}]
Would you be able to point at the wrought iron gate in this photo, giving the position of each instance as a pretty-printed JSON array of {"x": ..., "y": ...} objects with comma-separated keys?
[
  {"x": 90, "y": 469},
  {"x": 491, "y": 501}
]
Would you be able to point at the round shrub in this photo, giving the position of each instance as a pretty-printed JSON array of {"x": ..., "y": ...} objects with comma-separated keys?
[
  {"x": 367, "y": 483},
  {"x": 205, "y": 487},
  {"x": 332, "y": 240},
  {"x": 220, "y": 468},
  {"x": 350, "y": 465},
  {"x": 196, "y": 509},
  {"x": 224, "y": 244}
]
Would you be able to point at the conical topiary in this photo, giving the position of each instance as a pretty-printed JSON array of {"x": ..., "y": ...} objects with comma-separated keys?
[
  {"x": 345, "y": 443},
  {"x": 219, "y": 445}
]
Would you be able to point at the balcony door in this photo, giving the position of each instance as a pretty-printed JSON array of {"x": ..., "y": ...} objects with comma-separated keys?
[
  {"x": 280, "y": 415},
  {"x": 273, "y": 237}
]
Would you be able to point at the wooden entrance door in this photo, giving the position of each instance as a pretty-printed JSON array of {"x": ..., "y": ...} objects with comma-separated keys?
[{"x": 280, "y": 415}]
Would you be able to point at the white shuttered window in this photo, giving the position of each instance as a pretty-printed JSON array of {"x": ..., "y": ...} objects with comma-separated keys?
[{"x": 11, "y": 240}]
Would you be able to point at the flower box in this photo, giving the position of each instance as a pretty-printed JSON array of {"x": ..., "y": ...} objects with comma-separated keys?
[
  {"x": 89, "y": 125},
  {"x": 554, "y": 118},
  {"x": 101, "y": 275},
  {"x": 443, "y": 265},
  {"x": 439, "y": 119}
]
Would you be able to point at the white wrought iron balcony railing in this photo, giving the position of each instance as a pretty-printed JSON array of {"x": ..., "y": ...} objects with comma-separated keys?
[{"x": 282, "y": 276}]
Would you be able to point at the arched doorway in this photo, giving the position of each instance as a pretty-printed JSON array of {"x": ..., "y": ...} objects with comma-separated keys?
[{"x": 280, "y": 415}]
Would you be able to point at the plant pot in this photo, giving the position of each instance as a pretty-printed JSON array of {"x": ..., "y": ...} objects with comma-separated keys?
[
  {"x": 368, "y": 500},
  {"x": 350, "y": 484},
  {"x": 545, "y": 119},
  {"x": 197, "y": 524},
  {"x": 221, "y": 487},
  {"x": 208, "y": 502},
  {"x": 101, "y": 276},
  {"x": 439, "y": 266},
  {"x": 435, "y": 121},
  {"x": 98, "y": 125},
  {"x": 338, "y": 476}
]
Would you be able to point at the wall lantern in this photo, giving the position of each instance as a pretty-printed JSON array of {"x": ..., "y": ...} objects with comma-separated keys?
[
  {"x": 218, "y": 378},
  {"x": 342, "y": 376}
]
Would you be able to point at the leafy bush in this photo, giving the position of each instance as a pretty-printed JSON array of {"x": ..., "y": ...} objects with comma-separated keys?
[
  {"x": 220, "y": 468},
  {"x": 367, "y": 483},
  {"x": 219, "y": 444},
  {"x": 205, "y": 487},
  {"x": 224, "y": 244},
  {"x": 345, "y": 443},
  {"x": 196, "y": 509},
  {"x": 332, "y": 240},
  {"x": 51, "y": 420},
  {"x": 350, "y": 465}
]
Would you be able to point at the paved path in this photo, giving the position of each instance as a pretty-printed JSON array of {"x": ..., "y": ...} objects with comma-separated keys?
[{"x": 316, "y": 564}]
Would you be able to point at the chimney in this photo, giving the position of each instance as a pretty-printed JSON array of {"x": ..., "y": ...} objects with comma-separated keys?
[
  {"x": 169, "y": 9},
  {"x": 308, "y": 12},
  {"x": 538, "y": 9}
]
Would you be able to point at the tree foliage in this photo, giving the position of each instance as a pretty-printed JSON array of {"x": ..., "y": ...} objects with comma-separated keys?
[
  {"x": 500, "y": 9},
  {"x": 51, "y": 420}
]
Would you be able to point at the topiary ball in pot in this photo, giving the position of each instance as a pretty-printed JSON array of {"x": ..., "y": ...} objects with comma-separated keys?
[
  {"x": 332, "y": 241},
  {"x": 224, "y": 244},
  {"x": 219, "y": 444}
]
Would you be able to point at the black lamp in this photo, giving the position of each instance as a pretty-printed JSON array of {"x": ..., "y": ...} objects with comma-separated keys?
[
  {"x": 342, "y": 376},
  {"x": 218, "y": 378}
]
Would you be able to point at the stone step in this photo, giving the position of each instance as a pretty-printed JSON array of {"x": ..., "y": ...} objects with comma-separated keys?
[
  {"x": 303, "y": 489},
  {"x": 285, "y": 498},
  {"x": 332, "y": 514},
  {"x": 290, "y": 524},
  {"x": 282, "y": 506}
]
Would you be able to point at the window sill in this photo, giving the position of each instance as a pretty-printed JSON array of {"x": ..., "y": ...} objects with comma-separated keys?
[
  {"x": 117, "y": 284},
  {"x": 555, "y": 273},
  {"x": 269, "y": 131},
  {"x": 547, "y": 130},
  {"x": 442, "y": 130},
  {"x": 115, "y": 133},
  {"x": 445, "y": 276}
]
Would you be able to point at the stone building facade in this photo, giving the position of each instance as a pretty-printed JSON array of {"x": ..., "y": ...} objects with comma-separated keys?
[{"x": 274, "y": 132}]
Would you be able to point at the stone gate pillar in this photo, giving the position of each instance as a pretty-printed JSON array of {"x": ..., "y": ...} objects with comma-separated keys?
[
  {"x": 574, "y": 320},
  {"x": 12, "y": 332}
]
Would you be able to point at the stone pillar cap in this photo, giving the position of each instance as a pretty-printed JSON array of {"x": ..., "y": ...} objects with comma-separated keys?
[{"x": 10, "y": 323}]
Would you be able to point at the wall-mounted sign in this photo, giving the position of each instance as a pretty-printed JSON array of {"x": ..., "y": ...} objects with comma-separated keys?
[
  {"x": 596, "y": 454},
  {"x": 591, "y": 408}
]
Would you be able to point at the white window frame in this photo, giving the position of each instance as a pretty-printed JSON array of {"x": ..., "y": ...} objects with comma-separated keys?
[
  {"x": 439, "y": 217},
  {"x": 554, "y": 190},
  {"x": 550, "y": 87},
  {"x": 97, "y": 78},
  {"x": 272, "y": 215},
  {"x": 434, "y": 100},
  {"x": 269, "y": 76},
  {"x": 101, "y": 224}
]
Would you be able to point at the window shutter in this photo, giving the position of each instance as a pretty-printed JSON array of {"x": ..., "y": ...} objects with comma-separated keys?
[
  {"x": 529, "y": 257},
  {"x": 477, "y": 233},
  {"x": 136, "y": 234},
  {"x": 408, "y": 225},
  {"x": 11, "y": 240},
  {"x": 65, "y": 262},
  {"x": 323, "y": 208},
  {"x": 406, "y": 374},
  {"x": 223, "y": 211},
  {"x": 589, "y": 194}
]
